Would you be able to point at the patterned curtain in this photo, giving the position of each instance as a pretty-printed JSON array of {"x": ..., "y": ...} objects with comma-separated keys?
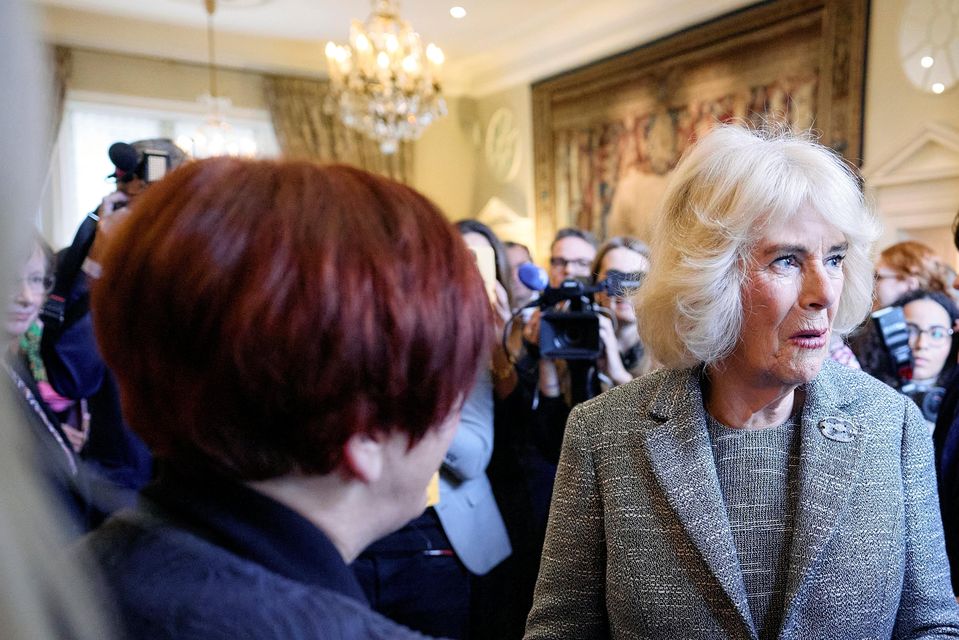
[{"x": 305, "y": 130}]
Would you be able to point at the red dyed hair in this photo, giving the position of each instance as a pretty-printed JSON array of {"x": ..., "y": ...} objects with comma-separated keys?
[{"x": 257, "y": 314}]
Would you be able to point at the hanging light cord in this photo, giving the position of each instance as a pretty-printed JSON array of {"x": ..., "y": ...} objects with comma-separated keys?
[{"x": 210, "y": 8}]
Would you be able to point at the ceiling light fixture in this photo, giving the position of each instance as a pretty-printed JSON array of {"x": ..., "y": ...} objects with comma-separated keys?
[
  {"x": 458, "y": 12},
  {"x": 215, "y": 137},
  {"x": 384, "y": 83},
  {"x": 927, "y": 61}
]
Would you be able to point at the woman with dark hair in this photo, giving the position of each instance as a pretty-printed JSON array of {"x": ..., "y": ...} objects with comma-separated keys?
[
  {"x": 431, "y": 575},
  {"x": 931, "y": 320},
  {"x": 245, "y": 308},
  {"x": 900, "y": 268}
]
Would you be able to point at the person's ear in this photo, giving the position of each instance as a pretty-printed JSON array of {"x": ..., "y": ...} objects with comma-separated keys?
[
  {"x": 363, "y": 457},
  {"x": 912, "y": 282}
]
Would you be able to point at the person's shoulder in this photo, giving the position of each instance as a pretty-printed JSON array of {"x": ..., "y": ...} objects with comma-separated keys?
[
  {"x": 167, "y": 582},
  {"x": 629, "y": 405},
  {"x": 855, "y": 383},
  {"x": 859, "y": 394}
]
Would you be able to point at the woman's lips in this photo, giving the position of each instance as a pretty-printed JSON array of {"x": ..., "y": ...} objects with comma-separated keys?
[
  {"x": 19, "y": 316},
  {"x": 810, "y": 338}
]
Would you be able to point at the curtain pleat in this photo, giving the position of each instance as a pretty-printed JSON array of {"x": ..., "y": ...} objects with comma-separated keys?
[{"x": 305, "y": 130}]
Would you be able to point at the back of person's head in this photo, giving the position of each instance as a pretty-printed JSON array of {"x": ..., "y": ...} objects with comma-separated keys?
[
  {"x": 919, "y": 261},
  {"x": 257, "y": 314},
  {"x": 619, "y": 242},
  {"x": 727, "y": 187},
  {"x": 573, "y": 232},
  {"x": 499, "y": 249},
  {"x": 509, "y": 244}
]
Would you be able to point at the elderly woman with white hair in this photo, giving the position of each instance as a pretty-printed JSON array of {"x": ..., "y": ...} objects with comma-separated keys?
[{"x": 752, "y": 488}]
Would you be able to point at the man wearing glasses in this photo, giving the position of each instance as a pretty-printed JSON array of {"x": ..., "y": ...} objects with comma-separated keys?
[{"x": 571, "y": 255}]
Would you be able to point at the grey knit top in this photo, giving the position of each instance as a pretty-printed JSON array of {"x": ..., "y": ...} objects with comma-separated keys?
[{"x": 757, "y": 476}]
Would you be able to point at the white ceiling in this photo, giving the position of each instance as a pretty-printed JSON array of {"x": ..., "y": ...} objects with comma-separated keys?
[{"x": 499, "y": 43}]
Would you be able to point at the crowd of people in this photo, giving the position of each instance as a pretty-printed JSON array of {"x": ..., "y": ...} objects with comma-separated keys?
[{"x": 279, "y": 399}]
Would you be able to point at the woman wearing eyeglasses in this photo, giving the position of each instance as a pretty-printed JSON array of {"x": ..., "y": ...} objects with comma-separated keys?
[
  {"x": 56, "y": 455},
  {"x": 931, "y": 319}
]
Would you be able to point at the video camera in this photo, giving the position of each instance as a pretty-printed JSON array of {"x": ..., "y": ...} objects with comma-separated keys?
[
  {"x": 572, "y": 333},
  {"x": 149, "y": 162},
  {"x": 894, "y": 333}
]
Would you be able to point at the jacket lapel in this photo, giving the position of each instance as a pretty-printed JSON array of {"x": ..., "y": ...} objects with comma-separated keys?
[
  {"x": 829, "y": 466},
  {"x": 681, "y": 458}
]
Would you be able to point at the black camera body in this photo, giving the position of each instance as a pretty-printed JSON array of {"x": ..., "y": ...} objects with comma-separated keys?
[
  {"x": 890, "y": 323},
  {"x": 928, "y": 398},
  {"x": 573, "y": 333},
  {"x": 149, "y": 162}
]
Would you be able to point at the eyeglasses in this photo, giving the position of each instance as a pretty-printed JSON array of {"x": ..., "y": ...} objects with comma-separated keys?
[
  {"x": 887, "y": 276},
  {"x": 37, "y": 284},
  {"x": 937, "y": 334},
  {"x": 561, "y": 263}
]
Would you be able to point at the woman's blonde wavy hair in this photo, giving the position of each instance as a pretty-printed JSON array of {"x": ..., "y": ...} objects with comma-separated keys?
[{"x": 725, "y": 190}]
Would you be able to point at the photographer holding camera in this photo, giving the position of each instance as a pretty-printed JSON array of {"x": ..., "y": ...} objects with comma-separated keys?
[
  {"x": 581, "y": 340},
  {"x": 571, "y": 257},
  {"x": 120, "y": 461},
  {"x": 585, "y": 331},
  {"x": 624, "y": 358}
]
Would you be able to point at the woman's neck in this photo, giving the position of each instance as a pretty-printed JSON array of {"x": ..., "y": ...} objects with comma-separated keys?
[{"x": 735, "y": 403}]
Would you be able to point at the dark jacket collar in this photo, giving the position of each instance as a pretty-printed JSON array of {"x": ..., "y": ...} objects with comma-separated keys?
[{"x": 247, "y": 523}]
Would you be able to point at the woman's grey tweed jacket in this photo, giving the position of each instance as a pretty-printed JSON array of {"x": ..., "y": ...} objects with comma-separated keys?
[{"x": 639, "y": 545}]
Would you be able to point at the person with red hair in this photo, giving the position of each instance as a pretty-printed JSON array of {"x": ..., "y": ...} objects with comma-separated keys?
[{"x": 293, "y": 342}]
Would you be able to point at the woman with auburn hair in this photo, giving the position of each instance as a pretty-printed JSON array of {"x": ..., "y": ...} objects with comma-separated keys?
[
  {"x": 900, "y": 269},
  {"x": 258, "y": 317},
  {"x": 752, "y": 488},
  {"x": 908, "y": 266}
]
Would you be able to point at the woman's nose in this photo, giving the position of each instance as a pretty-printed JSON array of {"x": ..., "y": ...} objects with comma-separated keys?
[
  {"x": 21, "y": 289},
  {"x": 818, "y": 288}
]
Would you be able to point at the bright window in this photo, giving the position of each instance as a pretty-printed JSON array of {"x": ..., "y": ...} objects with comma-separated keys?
[{"x": 91, "y": 123}]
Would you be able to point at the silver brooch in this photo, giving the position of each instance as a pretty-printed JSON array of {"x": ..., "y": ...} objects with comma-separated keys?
[{"x": 838, "y": 429}]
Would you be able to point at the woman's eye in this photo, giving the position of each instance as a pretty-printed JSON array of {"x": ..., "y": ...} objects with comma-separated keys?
[
  {"x": 836, "y": 260},
  {"x": 785, "y": 261}
]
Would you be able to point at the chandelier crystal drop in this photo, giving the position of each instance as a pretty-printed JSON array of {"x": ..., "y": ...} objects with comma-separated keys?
[{"x": 385, "y": 83}]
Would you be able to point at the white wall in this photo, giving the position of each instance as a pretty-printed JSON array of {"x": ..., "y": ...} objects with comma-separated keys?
[{"x": 897, "y": 114}]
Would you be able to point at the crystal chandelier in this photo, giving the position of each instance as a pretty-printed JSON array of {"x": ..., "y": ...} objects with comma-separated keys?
[
  {"x": 215, "y": 137},
  {"x": 384, "y": 83}
]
